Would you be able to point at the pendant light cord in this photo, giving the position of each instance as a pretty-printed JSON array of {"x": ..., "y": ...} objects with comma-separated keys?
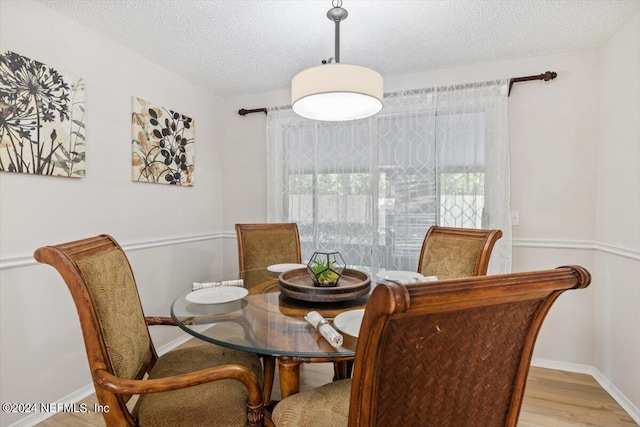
[
  {"x": 337, "y": 14},
  {"x": 337, "y": 37}
]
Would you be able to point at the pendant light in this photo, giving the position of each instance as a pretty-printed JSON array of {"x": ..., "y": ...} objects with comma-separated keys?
[{"x": 334, "y": 91}]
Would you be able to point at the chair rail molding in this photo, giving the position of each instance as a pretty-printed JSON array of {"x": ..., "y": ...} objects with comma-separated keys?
[
  {"x": 27, "y": 260},
  {"x": 632, "y": 253},
  {"x": 622, "y": 251}
]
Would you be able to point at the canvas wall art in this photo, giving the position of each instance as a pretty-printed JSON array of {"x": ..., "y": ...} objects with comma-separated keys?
[
  {"x": 42, "y": 110},
  {"x": 163, "y": 144}
]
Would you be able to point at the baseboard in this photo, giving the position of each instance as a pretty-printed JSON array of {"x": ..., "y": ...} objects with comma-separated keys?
[
  {"x": 563, "y": 366},
  {"x": 88, "y": 390},
  {"x": 617, "y": 395},
  {"x": 39, "y": 417}
]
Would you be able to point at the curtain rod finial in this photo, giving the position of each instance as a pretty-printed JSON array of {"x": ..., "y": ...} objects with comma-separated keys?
[{"x": 549, "y": 75}]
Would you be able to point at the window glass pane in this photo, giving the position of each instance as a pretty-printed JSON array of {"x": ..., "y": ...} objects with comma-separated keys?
[
  {"x": 406, "y": 209},
  {"x": 461, "y": 199},
  {"x": 342, "y": 211},
  {"x": 407, "y": 188}
]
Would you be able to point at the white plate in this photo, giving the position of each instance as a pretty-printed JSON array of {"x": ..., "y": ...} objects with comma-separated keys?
[
  {"x": 349, "y": 322},
  {"x": 396, "y": 275},
  {"x": 217, "y": 295},
  {"x": 281, "y": 268}
]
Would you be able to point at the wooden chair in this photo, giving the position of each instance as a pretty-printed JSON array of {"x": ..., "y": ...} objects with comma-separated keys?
[
  {"x": 262, "y": 245},
  {"x": 205, "y": 385},
  {"x": 456, "y": 252},
  {"x": 447, "y": 353}
]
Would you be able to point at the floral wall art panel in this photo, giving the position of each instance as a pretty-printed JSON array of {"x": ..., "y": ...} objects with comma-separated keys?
[
  {"x": 42, "y": 127},
  {"x": 163, "y": 144}
]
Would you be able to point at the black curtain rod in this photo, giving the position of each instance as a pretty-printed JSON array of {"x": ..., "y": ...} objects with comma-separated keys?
[
  {"x": 546, "y": 76},
  {"x": 244, "y": 112}
]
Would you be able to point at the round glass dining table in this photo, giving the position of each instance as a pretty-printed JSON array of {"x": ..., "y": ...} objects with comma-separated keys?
[{"x": 266, "y": 322}]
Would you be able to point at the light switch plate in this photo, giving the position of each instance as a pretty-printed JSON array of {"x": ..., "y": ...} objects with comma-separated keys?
[{"x": 515, "y": 218}]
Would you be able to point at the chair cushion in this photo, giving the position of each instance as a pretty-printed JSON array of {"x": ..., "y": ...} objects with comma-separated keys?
[
  {"x": 265, "y": 247},
  {"x": 326, "y": 406},
  {"x": 451, "y": 257},
  {"x": 219, "y": 403},
  {"x": 110, "y": 282}
]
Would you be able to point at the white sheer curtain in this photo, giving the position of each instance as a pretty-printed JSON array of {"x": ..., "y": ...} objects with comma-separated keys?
[{"x": 371, "y": 188}]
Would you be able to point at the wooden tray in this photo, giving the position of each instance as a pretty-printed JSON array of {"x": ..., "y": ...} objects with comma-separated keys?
[{"x": 298, "y": 284}]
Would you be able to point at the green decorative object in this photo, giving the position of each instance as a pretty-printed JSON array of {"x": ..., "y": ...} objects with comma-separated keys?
[{"x": 325, "y": 268}]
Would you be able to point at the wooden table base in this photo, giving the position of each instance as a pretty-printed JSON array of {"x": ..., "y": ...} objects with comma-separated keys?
[{"x": 289, "y": 370}]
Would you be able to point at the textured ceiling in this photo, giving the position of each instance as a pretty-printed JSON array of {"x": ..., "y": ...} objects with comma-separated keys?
[{"x": 240, "y": 47}]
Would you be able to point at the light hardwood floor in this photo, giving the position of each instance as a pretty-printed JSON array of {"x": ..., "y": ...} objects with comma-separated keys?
[{"x": 552, "y": 399}]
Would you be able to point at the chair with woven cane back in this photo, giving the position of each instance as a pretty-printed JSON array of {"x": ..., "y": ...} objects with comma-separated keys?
[
  {"x": 262, "y": 245},
  {"x": 204, "y": 385},
  {"x": 447, "y": 353},
  {"x": 449, "y": 252}
]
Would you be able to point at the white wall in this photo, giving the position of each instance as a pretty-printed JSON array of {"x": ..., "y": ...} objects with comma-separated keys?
[
  {"x": 556, "y": 155},
  {"x": 572, "y": 146},
  {"x": 617, "y": 336},
  {"x": 42, "y": 355},
  {"x": 245, "y": 166}
]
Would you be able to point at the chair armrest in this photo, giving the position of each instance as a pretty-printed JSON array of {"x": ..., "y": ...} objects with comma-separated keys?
[
  {"x": 240, "y": 373},
  {"x": 156, "y": 320},
  {"x": 255, "y": 403}
]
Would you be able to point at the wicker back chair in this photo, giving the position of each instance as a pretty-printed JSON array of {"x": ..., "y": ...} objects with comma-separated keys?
[
  {"x": 261, "y": 245},
  {"x": 450, "y": 253},
  {"x": 447, "y": 353},
  {"x": 203, "y": 385}
]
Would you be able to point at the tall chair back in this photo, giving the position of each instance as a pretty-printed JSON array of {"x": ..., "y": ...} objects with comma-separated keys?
[
  {"x": 454, "y": 352},
  {"x": 449, "y": 252},
  {"x": 261, "y": 245},
  {"x": 101, "y": 282}
]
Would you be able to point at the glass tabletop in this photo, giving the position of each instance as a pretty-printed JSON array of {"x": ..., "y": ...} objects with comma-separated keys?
[{"x": 262, "y": 319}]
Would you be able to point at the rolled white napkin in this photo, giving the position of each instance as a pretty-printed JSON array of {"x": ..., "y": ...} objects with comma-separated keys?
[
  {"x": 325, "y": 329},
  {"x": 196, "y": 285}
]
